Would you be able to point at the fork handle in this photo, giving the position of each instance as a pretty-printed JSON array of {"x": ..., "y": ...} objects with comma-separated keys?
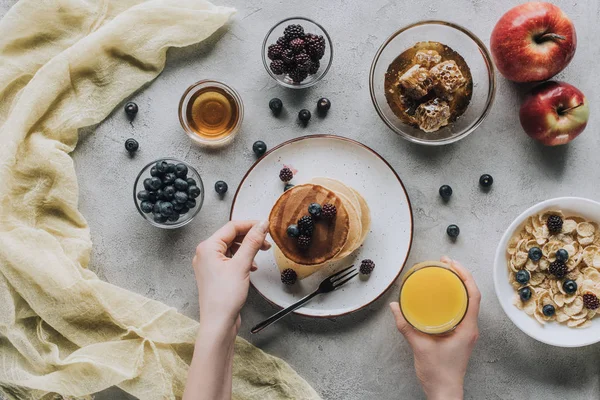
[{"x": 277, "y": 316}]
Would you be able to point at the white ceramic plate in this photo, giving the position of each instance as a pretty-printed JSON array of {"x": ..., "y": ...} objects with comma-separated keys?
[
  {"x": 387, "y": 244},
  {"x": 552, "y": 333}
]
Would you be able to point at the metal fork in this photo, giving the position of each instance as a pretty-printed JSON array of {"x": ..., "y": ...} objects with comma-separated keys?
[{"x": 329, "y": 284}]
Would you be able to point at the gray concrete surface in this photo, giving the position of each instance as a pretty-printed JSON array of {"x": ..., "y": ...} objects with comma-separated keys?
[{"x": 360, "y": 356}]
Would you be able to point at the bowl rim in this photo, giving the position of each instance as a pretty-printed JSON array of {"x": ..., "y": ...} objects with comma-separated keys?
[
  {"x": 191, "y": 216},
  {"x": 491, "y": 80},
  {"x": 500, "y": 255},
  {"x": 300, "y": 85}
]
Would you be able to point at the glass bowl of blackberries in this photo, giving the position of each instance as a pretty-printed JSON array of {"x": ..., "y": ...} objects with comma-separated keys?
[
  {"x": 168, "y": 193},
  {"x": 297, "y": 52}
]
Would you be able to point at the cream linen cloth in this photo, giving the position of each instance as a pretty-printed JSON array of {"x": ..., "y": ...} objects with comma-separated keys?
[{"x": 65, "y": 64}]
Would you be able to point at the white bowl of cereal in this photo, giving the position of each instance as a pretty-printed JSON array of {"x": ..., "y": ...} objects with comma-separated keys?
[{"x": 560, "y": 307}]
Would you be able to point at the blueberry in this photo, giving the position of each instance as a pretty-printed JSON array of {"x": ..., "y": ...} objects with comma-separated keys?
[
  {"x": 288, "y": 186},
  {"x": 525, "y": 293},
  {"x": 146, "y": 206},
  {"x": 191, "y": 182},
  {"x": 181, "y": 185},
  {"x": 159, "y": 218},
  {"x": 178, "y": 206},
  {"x": 161, "y": 166},
  {"x": 181, "y": 197},
  {"x": 147, "y": 184},
  {"x": 153, "y": 171},
  {"x": 131, "y": 145},
  {"x": 486, "y": 180},
  {"x": 191, "y": 203},
  {"x": 171, "y": 167},
  {"x": 156, "y": 208},
  {"x": 193, "y": 191},
  {"x": 548, "y": 310},
  {"x": 184, "y": 210},
  {"x": 314, "y": 209},
  {"x": 143, "y": 195},
  {"x": 522, "y": 276},
  {"x": 293, "y": 231},
  {"x": 276, "y": 105},
  {"x": 174, "y": 217},
  {"x": 155, "y": 183},
  {"x": 445, "y": 192},
  {"x": 221, "y": 187},
  {"x": 304, "y": 115},
  {"x": 181, "y": 170},
  {"x": 570, "y": 286},
  {"x": 259, "y": 148},
  {"x": 166, "y": 208},
  {"x": 152, "y": 197},
  {"x": 562, "y": 255},
  {"x": 169, "y": 178},
  {"x": 323, "y": 105},
  {"x": 160, "y": 194},
  {"x": 535, "y": 254},
  {"x": 453, "y": 231},
  {"x": 131, "y": 109},
  {"x": 169, "y": 192}
]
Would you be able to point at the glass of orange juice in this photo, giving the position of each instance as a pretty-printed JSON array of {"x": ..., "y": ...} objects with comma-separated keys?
[{"x": 433, "y": 298}]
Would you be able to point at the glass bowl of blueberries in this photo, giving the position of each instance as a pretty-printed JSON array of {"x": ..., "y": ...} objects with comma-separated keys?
[
  {"x": 168, "y": 193},
  {"x": 297, "y": 52}
]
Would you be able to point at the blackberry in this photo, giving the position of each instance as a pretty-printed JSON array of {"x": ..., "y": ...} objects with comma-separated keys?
[
  {"x": 558, "y": 269},
  {"x": 282, "y": 41},
  {"x": 297, "y": 45},
  {"x": 286, "y": 174},
  {"x": 298, "y": 75},
  {"x": 314, "y": 67},
  {"x": 554, "y": 224},
  {"x": 289, "y": 277},
  {"x": 315, "y": 46},
  {"x": 304, "y": 242},
  {"x": 277, "y": 67},
  {"x": 292, "y": 32},
  {"x": 303, "y": 62},
  {"x": 591, "y": 301},
  {"x": 306, "y": 225},
  {"x": 366, "y": 267},
  {"x": 288, "y": 57},
  {"x": 274, "y": 51},
  {"x": 289, "y": 68},
  {"x": 328, "y": 211}
]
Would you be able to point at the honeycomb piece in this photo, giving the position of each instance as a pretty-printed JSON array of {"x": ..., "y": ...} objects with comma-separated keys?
[
  {"x": 447, "y": 77},
  {"x": 432, "y": 115},
  {"x": 427, "y": 58},
  {"x": 416, "y": 82}
]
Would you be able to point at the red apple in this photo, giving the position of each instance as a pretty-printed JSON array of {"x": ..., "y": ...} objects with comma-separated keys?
[
  {"x": 533, "y": 42},
  {"x": 554, "y": 113}
]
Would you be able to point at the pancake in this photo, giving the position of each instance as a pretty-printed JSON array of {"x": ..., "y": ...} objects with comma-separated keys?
[
  {"x": 365, "y": 217},
  {"x": 354, "y": 230},
  {"x": 328, "y": 239},
  {"x": 339, "y": 187}
]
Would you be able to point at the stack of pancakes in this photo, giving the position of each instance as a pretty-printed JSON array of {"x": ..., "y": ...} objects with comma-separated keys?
[{"x": 331, "y": 240}]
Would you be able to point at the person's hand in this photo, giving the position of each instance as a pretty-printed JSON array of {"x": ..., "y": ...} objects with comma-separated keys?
[
  {"x": 223, "y": 280},
  {"x": 441, "y": 361}
]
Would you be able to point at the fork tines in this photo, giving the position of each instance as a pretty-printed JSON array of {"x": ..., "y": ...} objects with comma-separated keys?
[
  {"x": 333, "y": 277},
  {"x": 337, "y": 279}
]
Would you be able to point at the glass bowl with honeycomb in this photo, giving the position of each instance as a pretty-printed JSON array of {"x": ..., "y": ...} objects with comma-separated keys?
[{"x": 432, "y": 82}]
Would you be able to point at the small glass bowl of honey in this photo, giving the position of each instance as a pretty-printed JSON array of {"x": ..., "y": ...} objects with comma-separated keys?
[{"x": 211, "y": 112}]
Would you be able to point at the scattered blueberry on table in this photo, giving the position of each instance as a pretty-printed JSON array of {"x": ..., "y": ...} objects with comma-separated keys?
[
  {"x": 287, "y": 186},
  {"x": 486, "y": 180},
  {"x": 221, "y": 187},
  {"x": 276, "y": 105},
  {"x": 259, "y": 148},
  {"x": 453, "y": 231},
  {"x": 323, "y": 105},
  {"x": 131, "y": 145},
  {"x": 304, "y": 116},
  {"x": 445, "y": 192},
  {"x": 131, "y": 109}
]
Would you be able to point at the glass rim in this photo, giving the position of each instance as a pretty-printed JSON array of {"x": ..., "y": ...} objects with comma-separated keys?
[
  {"x": 489, "y": 98},
  {"x": 191, "y": 216},
  {"x": 184, "y": 101},
  {"x": 433, "y": 264}
]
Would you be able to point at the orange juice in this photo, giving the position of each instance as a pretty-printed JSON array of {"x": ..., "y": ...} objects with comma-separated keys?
[{"x": 433, "y": 298}]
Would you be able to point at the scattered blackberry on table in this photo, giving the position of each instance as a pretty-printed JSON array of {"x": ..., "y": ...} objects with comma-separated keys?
[
  {"x": 548, "y": 310},
  {"x": 297, "y": 45},
  {"x": 221, "y": 187},
  {"x": 315, "y": 210},
  {"x": 293, "y": 31},
  {"x": 131, "y": 145},
  {"x": 554, "y": 223},
  {"x": 287, "y": 186},
  {"x": 445, "y": 192},
  {"x": 366, "y": 267},
  {"x": 276, "y": 105},
  {"x": 522, "y": 276},
  {"x": 304, "y": 115},
  {"x": 131, "y": 109},
  {"x": 314, "y": 67},
  {"x": 277, "y": 67},
  {"x": 453, "y": 231},
  {"x": 562, "y": 255},
  {"x": 303, "y": 241},
  {"x": 323, "y": 105},
  {"x": 558, "y": 269},
  {"x": 525, "y": 293},
  {"x": 570, "y": 286},
  {"x": 328, "y": 211},
  {"x": 486, "y": 180},
  {"x": 274, "y": 51},
  {"x": 590, "y": 301},
  {"x": 293, "y": 231},
  {"x": 303, "y": 62},
  {"x": 259, "y": 148},
  {"x": 306, "y": 225},
  {"x": 297, "y": 75},
  {"x": 535, "y": 254},
  {"x": 289, "y": 276},
  {"x": 286, "y": 174}
]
